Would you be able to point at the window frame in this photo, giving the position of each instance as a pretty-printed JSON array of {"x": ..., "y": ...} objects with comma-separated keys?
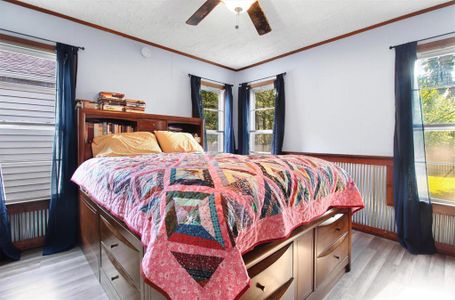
[
  {"x": 45, "y": 51},
  {"x": 258, "y": 87},
  {"x": 424, "y": 51},
  {"x": 220, "y": 132}
]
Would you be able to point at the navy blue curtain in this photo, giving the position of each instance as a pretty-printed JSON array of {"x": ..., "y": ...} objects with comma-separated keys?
[
  {"x": 278, "y": 121},
  {"x": 62, "y": 231},
  {"x": 7, "y": 248},
  {"x": 229, "y": 140},
  {"x": 196, "y": 101},
  {"x": 413, "y": 211},
  {"x": 244, "y": 116}
]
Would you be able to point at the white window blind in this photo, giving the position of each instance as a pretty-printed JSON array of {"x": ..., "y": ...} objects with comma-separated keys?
[{"x": 27, "y": 121}]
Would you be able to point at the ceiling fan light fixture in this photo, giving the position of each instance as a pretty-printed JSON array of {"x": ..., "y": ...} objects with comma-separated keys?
[{"x": 238, "y": 6}]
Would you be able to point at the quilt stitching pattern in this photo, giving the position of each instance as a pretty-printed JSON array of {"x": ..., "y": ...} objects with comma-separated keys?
[{"x": 197, "y": 214}]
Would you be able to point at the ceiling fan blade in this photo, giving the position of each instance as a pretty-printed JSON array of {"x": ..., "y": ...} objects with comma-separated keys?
[
  {"x": 202, "y": 12},
  {"x": 259, "y": 19}
]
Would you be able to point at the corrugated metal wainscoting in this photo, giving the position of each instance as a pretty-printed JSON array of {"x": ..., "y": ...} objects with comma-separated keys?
[
  {"x": 28, "y": 223},
  {"x": 372, "y": 184}
]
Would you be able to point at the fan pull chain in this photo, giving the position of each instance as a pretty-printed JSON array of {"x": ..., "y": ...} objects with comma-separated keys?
[{"x": 238, "y": 10}]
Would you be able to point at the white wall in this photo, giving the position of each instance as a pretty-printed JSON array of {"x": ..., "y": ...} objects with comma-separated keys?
[
  {"x": 113, "y": 63},
  {"x": 340, "y": 96}
]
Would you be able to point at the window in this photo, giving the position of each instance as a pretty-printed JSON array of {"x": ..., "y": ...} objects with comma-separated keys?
[
  {"x": 262, "y": 112},
  {"x": 27, "y": 101},
  {"x": 213, "y": 103},
  {"x": 435, "y": 76}
]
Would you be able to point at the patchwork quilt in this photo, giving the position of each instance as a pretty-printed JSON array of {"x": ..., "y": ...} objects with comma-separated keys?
[{"x": 196, "y": 214}]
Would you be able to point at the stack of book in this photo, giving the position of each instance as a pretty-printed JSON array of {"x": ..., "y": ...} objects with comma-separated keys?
[
  {"x": 134, "y": 106},
  {"x": 111, "y": 101}
]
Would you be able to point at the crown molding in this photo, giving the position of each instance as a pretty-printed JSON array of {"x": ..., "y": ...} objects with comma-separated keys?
[
  {"x": 112, "y": 31},
  {"x": 355, "y": 32},
  {"x": 343, "y": 36}
]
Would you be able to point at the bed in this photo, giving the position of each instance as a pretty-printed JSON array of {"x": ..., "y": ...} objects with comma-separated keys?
[{"x": 199, "y": 226}]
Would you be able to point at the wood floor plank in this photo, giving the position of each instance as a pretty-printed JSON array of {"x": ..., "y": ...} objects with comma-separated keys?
[
  {"x": 390, "y": 272},
  {"x": 381, "y": 270},
  {"x": 62, "y": 276}
]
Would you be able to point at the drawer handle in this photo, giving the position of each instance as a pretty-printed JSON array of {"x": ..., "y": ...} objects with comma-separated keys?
[
  {"x": 260, "y": 286},
  {"x": 114, "y": 277},
  {"x": 114, "y": 245},
  {"x": 338, "y": 229},
  {"x": 336, "y": 256}
]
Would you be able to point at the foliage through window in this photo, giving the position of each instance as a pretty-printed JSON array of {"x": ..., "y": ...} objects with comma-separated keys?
[
  {"x": 213, "y": 103},
  {"x": 436, "y": 82},
  {"x": 27, "y": 121},
  {"x": 262, "y": 113}
]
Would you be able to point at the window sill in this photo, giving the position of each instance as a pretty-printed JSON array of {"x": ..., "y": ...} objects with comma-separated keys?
[
  {"x": 27, "y": 206},
  {"x": 443, "y": 209}
]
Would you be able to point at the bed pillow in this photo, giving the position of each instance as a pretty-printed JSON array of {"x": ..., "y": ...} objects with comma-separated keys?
[
  {"x": 177, "y": 142},
  {"x": 125, "y": 144}
]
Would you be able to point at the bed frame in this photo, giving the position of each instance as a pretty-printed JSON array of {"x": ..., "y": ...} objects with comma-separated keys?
[{"x": 305, "y": 265}]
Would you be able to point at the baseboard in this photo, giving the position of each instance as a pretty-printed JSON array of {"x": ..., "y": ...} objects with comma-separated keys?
[
  {"x": 444, "y": 249},
  {"x": 390, "y": 235},
  {"x": 29, "y": 243}
]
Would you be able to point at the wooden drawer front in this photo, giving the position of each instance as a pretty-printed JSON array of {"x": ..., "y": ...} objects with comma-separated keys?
[
  {"x": 272, "y": 277},
  {"x": 304, "y": 248},
  {"x": 330, "y": 231},
  {"x": 90, "y": 237},
  {"x": 115, "y": 280},
  {"x": 121, "y": 251},
  {"x": 151, "y": 125},
  {"x": 329, "y": 261}
]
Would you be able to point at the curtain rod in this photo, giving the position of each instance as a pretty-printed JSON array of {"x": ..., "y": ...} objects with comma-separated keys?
[
  {"x": 223, "y": 83},
  {"x": 260, "y": 79},
  {"x": 428, "y": 38},
  {"x": 37, "y": 37}
]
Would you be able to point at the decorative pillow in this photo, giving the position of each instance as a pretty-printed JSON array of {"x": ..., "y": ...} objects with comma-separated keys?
[
  {"x": 177, "y": 142},
  {"x": 125, "y": 144}
]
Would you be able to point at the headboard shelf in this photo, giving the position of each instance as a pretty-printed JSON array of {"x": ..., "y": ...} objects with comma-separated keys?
[{"x": 93, "y": 122}]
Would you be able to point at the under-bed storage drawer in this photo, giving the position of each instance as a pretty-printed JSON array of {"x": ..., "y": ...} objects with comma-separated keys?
[
  {"x": 330, "y": 231},
  {"x": 118, "y": 286},
  {"x": 272, "y": 277},
  {"x": 124, "y": 255},
  {"x": 330, "y": 260}
]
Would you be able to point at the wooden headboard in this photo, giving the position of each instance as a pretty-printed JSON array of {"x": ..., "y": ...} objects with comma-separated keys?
[{"x": 111, "y": 121}]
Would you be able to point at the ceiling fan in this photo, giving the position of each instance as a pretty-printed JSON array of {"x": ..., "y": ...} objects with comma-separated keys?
[{"x": 237, "y": 6}]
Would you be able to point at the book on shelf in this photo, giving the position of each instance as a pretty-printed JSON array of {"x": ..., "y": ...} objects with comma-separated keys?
[
  {"x": 138, "y": 111},
  {"x": 111, "y": 101},
  {"x": 105, "y": 128},
  {"x": 112, "y": 107},
  {"x": 135, "y": 103},
  {"x": 116, "y": 95}
]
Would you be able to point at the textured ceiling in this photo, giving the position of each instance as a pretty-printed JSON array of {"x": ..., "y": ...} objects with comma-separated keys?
[{"x": 295, "y": 23}]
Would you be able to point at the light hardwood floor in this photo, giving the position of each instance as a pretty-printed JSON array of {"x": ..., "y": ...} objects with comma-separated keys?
[
  {"x": 61, "y": 276},
  {"x": 381, "y": 269}
]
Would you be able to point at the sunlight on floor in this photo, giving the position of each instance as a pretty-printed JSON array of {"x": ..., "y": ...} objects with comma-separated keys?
[{"x": 396, "y": 291}]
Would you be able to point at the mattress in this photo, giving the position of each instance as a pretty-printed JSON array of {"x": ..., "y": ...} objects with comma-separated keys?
[{"x": 197, "y": 214}]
